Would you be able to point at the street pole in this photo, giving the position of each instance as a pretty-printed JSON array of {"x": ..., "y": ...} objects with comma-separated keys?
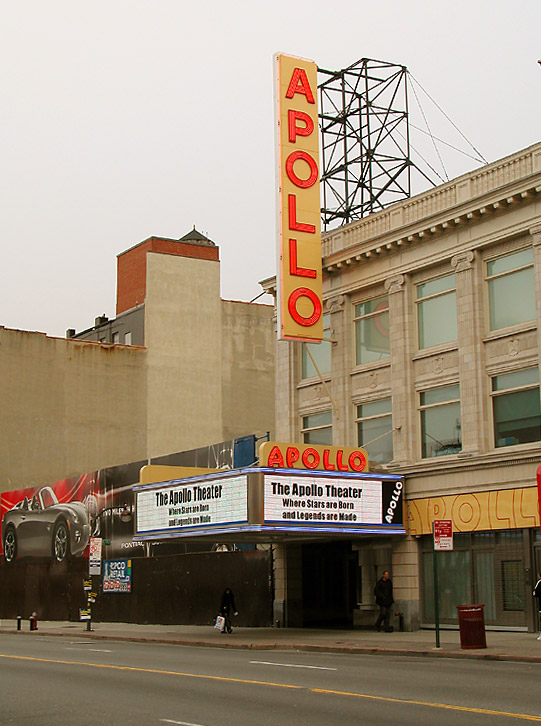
[{"x": 436, "y": 598}]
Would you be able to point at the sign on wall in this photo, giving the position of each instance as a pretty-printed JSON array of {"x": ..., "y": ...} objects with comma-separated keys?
[
  {"x": 117, "y": 575},
  {"x": 194, "y": 505},
  {"x": 94, "y": 561},
  {"x": 299, "y": 269},
  {"x": 323, "y": 501},
  {"x": 282, "y": 455},
  {"x": 477, "y": 511},
  {"x": 443, "y": 535}
]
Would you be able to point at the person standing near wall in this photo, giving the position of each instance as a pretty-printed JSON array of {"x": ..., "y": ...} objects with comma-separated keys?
[
  {"x": 384, "y": 598},
  {"x": 537, "y": 595}
]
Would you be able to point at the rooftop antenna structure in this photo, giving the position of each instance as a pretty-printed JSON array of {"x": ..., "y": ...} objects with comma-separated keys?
[{"x": 365, "y": 140}]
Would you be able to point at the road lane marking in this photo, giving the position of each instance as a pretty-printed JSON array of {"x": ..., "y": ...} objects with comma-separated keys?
[
  {"x": 180, "y": 723},
  {"x": 292, "y": 665},
  {"x": 321, "y": 691},
  {"x": 411, "y": 702}
]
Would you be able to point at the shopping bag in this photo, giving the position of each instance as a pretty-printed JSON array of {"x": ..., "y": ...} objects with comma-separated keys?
[{"x": 220, "y": 623}]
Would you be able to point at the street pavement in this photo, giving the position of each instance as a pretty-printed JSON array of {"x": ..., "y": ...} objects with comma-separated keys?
[{"x": 514, "y": 646}]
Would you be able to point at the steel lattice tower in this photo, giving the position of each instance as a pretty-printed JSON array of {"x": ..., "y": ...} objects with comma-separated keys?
[{"x": 365, "y": 147}]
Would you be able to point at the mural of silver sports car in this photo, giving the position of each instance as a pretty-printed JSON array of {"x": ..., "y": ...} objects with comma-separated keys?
[{"x": 44, "y": 527}]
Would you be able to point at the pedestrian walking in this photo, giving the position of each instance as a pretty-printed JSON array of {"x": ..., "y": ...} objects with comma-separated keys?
[
  {"x": 537, "y": 595},
  {"x": 384, "y": 598},
  {"x": 226, "y": 607}
]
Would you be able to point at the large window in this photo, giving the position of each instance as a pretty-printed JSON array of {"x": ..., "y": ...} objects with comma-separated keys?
[
  {"x": 441, "y": 431},
  {"x": 372, "y": 330},
  {"x": 511, "y": 289},
  {"x": 484, "y": 567},
  {"x": 436, "y": 311},
  {"x": 317, "y": 428},
  {"x": 516, "y": 407},
  {"x": 375, "y": 430},
  {"x": 321, "y": 353}
]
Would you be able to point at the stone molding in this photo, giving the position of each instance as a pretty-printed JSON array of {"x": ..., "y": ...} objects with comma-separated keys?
[
  {"x": 463, "y": 261},
  {"x": 395, "y": 284}
]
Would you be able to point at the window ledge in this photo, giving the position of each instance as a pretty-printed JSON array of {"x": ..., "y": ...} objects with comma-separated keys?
[
  {"x": 511, "y": 330},
  {"x": 365, "y": 367},
  {"x": 314, "y": 381},
  {"x": 435, "y": 350}
]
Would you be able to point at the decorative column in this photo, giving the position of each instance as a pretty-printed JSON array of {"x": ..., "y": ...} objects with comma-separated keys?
[
  {"x": 470, "y": 354},
  {"x": 535, "y": 233},
  {"x": 404, "y": 405},
  {"x": 335, "y": 306}
]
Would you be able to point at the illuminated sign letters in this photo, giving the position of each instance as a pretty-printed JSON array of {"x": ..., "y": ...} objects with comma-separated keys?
[
  {"x": 281, "y": 455},
  {"x": 299, "y": 274}
]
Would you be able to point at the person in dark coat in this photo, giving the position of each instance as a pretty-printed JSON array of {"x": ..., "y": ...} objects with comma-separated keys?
[
  {"x": 537, "y": 594},
  {"x": 384, "y": 598},
  {"x": 228, "y": 604}
]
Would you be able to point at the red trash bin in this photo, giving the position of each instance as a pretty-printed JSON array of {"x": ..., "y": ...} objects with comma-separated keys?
[{"x": 471, "y": 622}]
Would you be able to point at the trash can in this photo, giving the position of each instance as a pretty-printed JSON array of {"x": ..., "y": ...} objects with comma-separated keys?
[{"x": 471, "y": 621}]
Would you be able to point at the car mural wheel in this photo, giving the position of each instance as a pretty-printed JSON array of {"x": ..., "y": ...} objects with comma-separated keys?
[
  {"x": 61, "y": 541},
  {"x": 10, "y": 545}
]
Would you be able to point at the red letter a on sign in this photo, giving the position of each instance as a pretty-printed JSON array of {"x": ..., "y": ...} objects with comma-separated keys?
[{"x": 299, "y": 84}]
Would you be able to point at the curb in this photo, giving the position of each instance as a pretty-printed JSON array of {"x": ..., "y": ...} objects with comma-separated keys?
[{"x": 301, "y": 647}]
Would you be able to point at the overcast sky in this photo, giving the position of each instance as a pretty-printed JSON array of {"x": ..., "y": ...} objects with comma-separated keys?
[{"x": 121, "y": 120}]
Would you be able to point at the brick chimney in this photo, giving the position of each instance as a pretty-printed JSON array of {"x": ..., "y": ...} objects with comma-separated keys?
[{"x": 131, "y": 268}]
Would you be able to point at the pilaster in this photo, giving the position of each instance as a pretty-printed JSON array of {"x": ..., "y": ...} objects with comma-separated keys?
[
  {"x": 470, "y": 352},
  {"x": 535, "y": 233},
  {"x": 401, "y": 370},
  {"x": 335, "y": 306}
]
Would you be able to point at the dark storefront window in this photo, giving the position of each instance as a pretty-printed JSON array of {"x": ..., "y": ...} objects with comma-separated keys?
[{"x": 483, "y": 568}]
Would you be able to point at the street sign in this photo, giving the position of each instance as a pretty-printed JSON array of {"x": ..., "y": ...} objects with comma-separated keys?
[
  {"x": 443, "y": 534},
  {"x": 94, "y": 560}
]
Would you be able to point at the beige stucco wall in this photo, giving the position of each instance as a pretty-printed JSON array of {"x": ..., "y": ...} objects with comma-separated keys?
[
  {"x": 206, "y": 375},
  {"x": 248, "y": 340},
  {"x": 183, "y": 319},
  {"x": 67, "y": 407}
]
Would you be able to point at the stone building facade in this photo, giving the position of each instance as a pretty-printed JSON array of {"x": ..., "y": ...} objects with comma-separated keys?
[{"x": 431, "y": 363}]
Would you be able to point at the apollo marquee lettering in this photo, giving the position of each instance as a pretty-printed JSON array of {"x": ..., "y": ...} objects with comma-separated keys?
[
  {"x": 299, "y": 268},
  {"x": 326, "y": 458}
]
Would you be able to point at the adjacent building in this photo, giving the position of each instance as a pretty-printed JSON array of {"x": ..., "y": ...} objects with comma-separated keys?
[{"x": 176, "y": 369}]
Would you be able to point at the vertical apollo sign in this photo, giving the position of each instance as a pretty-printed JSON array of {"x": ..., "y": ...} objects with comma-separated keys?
[{"x": 299, "y": 285}]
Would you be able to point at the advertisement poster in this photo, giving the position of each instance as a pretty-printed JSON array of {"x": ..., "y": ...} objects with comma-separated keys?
[
  {"x": 52, "y": 522},
  {"x": 55, "y": 523},
  {"x": 117, "y": 575}
]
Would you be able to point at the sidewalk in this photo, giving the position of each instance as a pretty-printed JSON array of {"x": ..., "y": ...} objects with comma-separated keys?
[{"x": 500, "y": 645}]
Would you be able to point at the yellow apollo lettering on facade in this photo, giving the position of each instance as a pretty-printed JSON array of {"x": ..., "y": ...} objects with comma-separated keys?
[
  {"x": 492, "y": 510},
  {"x": 299, "y": 284}
]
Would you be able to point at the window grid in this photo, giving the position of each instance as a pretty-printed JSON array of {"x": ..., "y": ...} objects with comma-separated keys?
[
  {"x": 317, "y": 428},
  {"x": 514, "y": 387},
  {"x": 379, "y": 421},
  {"x": 445, "y": 399},
  {"x": 435, "y": 323},
  {"x": 376, "y": 322},
  {"x": 320, "y": 351},
  {"x": 505, "y": 282}
]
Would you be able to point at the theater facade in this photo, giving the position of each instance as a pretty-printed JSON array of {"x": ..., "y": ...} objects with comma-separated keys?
[{"x": 429, "y": 362}]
